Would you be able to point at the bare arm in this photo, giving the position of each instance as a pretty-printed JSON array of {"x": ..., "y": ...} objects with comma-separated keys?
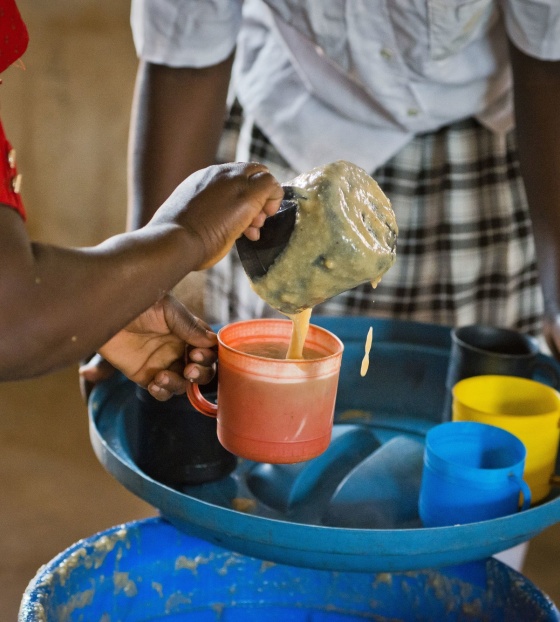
[
  {"x": 176, "y": 123},
  {"x": 59, "y": 304},
  {"x": 537, "y": 97}
]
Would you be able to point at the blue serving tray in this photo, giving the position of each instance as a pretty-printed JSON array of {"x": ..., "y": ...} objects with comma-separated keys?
[{"x": 354, "y": 508}]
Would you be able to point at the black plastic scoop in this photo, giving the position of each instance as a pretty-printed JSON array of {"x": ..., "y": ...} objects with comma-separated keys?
[{"x": 257, "y": 257}]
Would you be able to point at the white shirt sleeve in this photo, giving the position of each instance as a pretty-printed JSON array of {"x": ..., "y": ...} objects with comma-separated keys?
[
  {"x": 185, "y": 33},
  {"x": 534, "y": 26}
]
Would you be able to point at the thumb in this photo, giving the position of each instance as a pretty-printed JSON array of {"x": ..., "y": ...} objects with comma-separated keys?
[
  {"x": 186, "y": 326},
  {"x": 96, "y": 369}
]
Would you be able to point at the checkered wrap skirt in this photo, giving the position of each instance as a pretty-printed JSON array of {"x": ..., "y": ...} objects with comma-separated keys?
[{"x": 465, "y": 250}]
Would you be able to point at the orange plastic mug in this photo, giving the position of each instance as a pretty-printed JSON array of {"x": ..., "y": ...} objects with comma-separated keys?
[{"x": 273, "y": 410}]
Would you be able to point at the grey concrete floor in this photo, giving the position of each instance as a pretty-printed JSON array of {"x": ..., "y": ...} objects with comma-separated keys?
[{"x": 53, "y": 491}]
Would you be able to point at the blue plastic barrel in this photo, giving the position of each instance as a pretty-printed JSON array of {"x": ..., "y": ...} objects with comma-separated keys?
[{"x": 148, "y": 570}]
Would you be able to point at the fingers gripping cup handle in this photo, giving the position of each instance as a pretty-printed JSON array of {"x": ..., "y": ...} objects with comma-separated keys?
[
  {"x": 524, "y": 488},
  {"x": 200, "y": 402}
]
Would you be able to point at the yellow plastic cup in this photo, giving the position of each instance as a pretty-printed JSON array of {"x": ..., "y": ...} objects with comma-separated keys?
[{"x": 526, "y": 408}]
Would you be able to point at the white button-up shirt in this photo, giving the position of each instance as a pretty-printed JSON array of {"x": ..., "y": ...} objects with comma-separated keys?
[{"x": 354, "y": 79}]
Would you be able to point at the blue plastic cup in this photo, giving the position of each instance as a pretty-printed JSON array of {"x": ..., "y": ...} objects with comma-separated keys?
[{"x": 472, "y": 472}]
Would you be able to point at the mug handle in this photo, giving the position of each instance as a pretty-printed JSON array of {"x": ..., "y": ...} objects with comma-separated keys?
[
  {"x": 524, "y": 488},
  {"x": 200, "y": 402},
  {"x": 549, "y": 372}
]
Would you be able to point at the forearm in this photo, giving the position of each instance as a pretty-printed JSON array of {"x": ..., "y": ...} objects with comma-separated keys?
[
  {"x": 58, "y": 305},
  {"x": 176, "y": 123},
  {"x": 537, "y": 97}
]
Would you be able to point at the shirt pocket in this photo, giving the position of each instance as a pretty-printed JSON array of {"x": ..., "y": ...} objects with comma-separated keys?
[
  {"x": 453, "y": 24},
  {"x": 322, "y": 22}
]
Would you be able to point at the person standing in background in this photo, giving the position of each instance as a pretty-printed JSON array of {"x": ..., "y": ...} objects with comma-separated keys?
[{"x": 451, "y": 107}]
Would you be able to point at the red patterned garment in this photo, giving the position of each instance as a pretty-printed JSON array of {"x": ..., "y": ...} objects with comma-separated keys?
[{"x": 13, "y": 43}]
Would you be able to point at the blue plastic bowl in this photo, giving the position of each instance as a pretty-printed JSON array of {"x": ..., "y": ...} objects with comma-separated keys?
[{"x": 148, "y": 570}]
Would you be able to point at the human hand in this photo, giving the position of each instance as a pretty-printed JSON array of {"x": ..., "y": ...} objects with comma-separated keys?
[
  {"x": 551, "y": 332},
  {"x": 218, "y": 204},
  {"x": 92, "y": 372},
  {"x": 163, "y": 349}
]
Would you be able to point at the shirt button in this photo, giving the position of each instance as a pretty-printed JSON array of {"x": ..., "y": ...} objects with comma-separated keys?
[
  {"x": 386, "y": 53},
  {"x": 413, "y": 112},
  {"x": 319, "y": 50}
]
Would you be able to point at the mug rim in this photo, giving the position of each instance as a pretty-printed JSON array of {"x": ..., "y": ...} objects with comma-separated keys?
[
  {"x": 270, "y": 321},
  {"x": 463, "y": 472},
  {"x": 552, "y": 395},
  {"x": 528, "y": 339}
]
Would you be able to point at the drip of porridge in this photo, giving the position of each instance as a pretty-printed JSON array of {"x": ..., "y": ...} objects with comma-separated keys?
[{"x": 365, "y": 361}]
